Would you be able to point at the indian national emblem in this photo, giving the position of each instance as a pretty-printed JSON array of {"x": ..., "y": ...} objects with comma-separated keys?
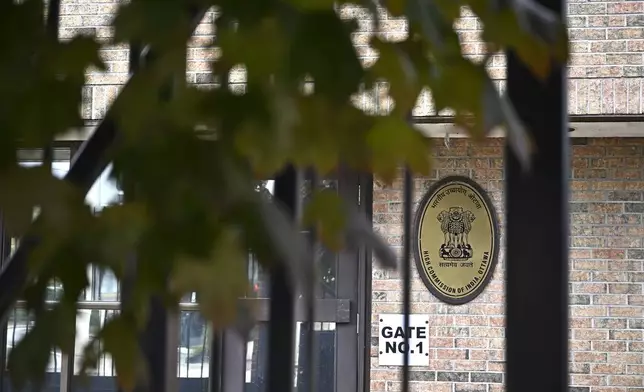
[{"x": 456, "y": 224}]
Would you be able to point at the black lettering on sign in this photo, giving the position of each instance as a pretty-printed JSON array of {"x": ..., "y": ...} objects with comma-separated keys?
[
  {"x": 484, "y": 261},
  {"x": 426, "y": 258},
  {"x": 401, "y": 347},
  {"x": 412, "y": 332},
  {"x": 475, "y": 200},
  {"x": 456, "y": 239}
]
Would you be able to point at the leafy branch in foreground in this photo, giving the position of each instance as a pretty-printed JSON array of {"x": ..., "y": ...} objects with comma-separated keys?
[{"x": 193, "y": 212}]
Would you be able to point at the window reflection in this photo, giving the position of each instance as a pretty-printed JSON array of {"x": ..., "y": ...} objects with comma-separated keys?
[
  {"x": 103, "y": 285},
  {"x": 88, "y": 324},
  {"x": 194, "y": 346}
]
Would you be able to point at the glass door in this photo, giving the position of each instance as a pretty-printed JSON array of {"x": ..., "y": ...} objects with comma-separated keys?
[{"x": 334, "y": 327}]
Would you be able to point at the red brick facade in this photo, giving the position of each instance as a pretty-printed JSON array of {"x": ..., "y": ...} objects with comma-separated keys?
[
  {"x": 606, "y": 67},
  {"x": 606, "y": 296}
]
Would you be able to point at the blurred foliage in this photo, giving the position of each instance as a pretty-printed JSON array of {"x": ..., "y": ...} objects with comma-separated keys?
[{"x": 192, "y": 213}]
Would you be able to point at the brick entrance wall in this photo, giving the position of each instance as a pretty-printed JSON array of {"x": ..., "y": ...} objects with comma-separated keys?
[
  {"x": 607, "y": 301},
  {"x": 606, "y": 73}
]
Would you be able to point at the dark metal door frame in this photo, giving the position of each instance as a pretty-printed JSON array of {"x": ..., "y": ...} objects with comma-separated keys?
[
  {"x": 347, "y": 310},
  {"x": 364, "y": 291},
  {"x": 346, "y": 344}
]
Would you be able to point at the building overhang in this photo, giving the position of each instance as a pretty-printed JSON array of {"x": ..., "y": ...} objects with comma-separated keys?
[
  {"x": 440, "y": 127},
  {"x": 579, "y": 126}
]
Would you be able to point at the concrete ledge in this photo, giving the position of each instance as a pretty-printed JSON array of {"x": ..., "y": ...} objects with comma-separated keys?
[
  {"x": 579, "y": 129},
  {"x": 439, "y": 130}
]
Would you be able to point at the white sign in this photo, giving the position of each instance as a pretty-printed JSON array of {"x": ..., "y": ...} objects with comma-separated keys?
[{"x": 391, "y": 340}]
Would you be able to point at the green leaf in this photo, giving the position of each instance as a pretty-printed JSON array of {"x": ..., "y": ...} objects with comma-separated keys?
[
  {"x": 313, "y": 5},
  {"x": 545, "y": 26},
  {"x": 273, "y": 237},
  {"x": 450, "y": 9},
  {"x": 246, "y": 12},
  {"x": 316, "y": 137},
  {"x": 67, "y": 246},
  {"x": 393, "y": 143},
  {"x": 27, "y": 188},
  {"x": 52, "y": 329},
  {"x": 461, "y": 85},
  {"x": 35, "y": 293},
  {"x": 29, "y": 358},
  {"x": 322, "y": 49},
  {"x": 502, "y": 29},
  {"x": 63, "y": 325},
  {"x": 76, "y": 55},
  {"x": 120, "y": 340},
  {"x": 327, "y": 214},
  {"x": 218, "y": 281},
  {"x": 151, "y": 22},
  {"x": 396, "y": 7},
  {"x": 418, "y": 52},
  {"x": 119, "y": 230},
  {"x": 261, "y": 127},
  {"x": 137, "y": 108},
  {"x": 535, "y": 33},
  {"x": 351, "y": 129},
  {"x": 247, "y": 45},
  {"x": 395, "y": 67},
  {"x": 90, "y": 359},
  {"x": 426, "y": 15},
  {"x": 197, "y": 212}
]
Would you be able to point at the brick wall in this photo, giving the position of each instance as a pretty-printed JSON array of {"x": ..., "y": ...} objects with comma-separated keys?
[
  {"x": 606, "y": 68},
  {"x": 607, "y": 54},
  {"x": 607, "y": 301}
]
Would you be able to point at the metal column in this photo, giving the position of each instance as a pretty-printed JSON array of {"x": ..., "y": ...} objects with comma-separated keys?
[
  {"x": 537, "y": 234},
  {"x": 281, "y": 329}
]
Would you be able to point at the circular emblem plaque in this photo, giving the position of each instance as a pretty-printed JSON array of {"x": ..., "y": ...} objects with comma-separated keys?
[{"x": 456, "y": 240}]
